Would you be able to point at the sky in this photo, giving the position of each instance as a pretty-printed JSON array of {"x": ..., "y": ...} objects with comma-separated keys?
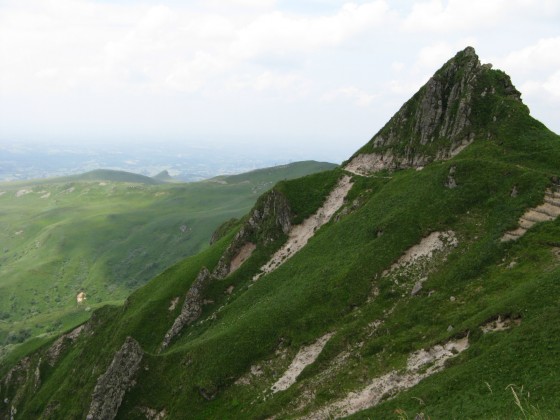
[{"x": 314, "y": 78}]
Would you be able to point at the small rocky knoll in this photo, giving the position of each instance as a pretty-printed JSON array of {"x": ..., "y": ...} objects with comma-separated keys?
[{"x": 192, "y": 307}]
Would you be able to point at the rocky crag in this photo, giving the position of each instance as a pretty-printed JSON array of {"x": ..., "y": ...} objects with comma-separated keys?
[
  {"x": 441, "y": 119},
  {"x": 113, "y": 384}
]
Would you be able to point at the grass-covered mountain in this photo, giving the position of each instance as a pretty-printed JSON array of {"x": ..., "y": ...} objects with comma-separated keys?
[
  {"x": 105, "y": 233},
  {"x": 428, "y": 287}
]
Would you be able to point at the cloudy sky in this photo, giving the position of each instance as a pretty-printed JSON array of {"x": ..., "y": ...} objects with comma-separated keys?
[{"x": 318, "y": 77}]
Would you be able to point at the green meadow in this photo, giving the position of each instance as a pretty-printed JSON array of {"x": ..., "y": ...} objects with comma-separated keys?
[{"x": 105, "y": 233}]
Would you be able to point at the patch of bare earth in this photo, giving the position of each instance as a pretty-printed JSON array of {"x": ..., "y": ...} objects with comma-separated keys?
[
  {"x": 365, "y": 164},
  {"x": 500, "y": 324},
  {"x": 412, "y": 269},
  {"x": 435, "y": 241},
  {"x": 420, "y": 365},
  {"x": 242, "y": 256},
  {"x": 153, "y": 414},
  {"x": 299, "y": 235},
  {"x": 545, "y": 212},
  {"x": 173, "y": 304},
  {"x": 23, "y": 192},
  {"x": 259, "y": 373},
  {"x": 304, "y": 358}
]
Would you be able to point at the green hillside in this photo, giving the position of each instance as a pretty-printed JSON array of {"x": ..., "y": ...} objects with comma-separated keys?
[
  {"x": 114, "y": 176},
  {"x": 271, "y": 175},
  {"x": 401, "y": 285},
  {"x": 103, "y": 233}
]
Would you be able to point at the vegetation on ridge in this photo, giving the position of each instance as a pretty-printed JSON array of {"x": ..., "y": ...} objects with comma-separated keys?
[
  {"x": 345, "y": 282},
  {"x": 96, "y": 233}
]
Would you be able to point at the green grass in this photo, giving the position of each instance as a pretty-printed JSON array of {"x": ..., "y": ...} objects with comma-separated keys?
[
  {"x": 336, "y": 284},
  {"x": 98, "y": 234},
  {"x": 325, "y": 288}
]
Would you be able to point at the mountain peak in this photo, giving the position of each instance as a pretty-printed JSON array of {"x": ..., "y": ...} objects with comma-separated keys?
[
  {"x": 457, "y": 105},
  {"x": 163, "y": 176}
]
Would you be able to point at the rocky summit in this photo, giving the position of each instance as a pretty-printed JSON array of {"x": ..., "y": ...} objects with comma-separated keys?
[
  {"x": 420, "y": 279},
  {"x": 439, "y": 121}
]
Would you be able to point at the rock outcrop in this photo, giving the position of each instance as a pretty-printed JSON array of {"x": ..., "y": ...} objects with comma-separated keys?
[
  {"x": 65, "y": 340},
  {"x": 117, "y": 379},
  {"x": 270, "y": 218},
  {"x": 192, "y": 307},
  {"x": 438, "y": 121},
  {"x": 19, "y": 379}
]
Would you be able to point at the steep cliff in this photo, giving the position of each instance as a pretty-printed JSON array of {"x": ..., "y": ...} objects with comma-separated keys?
[
  {"x": 269, "y": 220},
  {"x": 456, "y": 106}
]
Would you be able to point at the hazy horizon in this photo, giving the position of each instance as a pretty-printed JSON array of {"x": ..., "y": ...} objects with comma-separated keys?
[{"x": 272, "y": 80}]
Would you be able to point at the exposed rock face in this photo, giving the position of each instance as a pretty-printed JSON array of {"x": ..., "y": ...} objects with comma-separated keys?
[
  {"x": 113, "y": 384},
  {"x": 54, "y": 351},
  {"x": 270, "y": 218},
  {"x": 437, "y": 122},
  {"x": 192, "y": 307},
  {"x": 19, "y": 379}
]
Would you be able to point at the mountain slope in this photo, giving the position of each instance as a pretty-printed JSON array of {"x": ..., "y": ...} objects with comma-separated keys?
[
  {"x": 404, "y": 299},
  {"x": 103, "y": 235},
  {"x": 273, "y": 174}
]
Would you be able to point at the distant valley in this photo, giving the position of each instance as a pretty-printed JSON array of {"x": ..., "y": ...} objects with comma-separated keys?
[
  {"x": 103, "y": 234},
  {"x": 20, "y": 161}
]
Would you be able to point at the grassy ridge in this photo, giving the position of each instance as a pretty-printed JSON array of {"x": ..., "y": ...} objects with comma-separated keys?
[
  {"x": 325, "y": 287},
  {"x": 104, "y": 237},
  {"x": 338, "y": 284}
]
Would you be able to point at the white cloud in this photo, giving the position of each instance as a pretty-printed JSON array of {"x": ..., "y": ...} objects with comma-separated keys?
[
  {"x": 181, "y": 65},
  {"x": 280, "y": 33},
  {"x": 86, "y": 44},
  {"x": 548, "y": 88},
  {"x": 288, "y": 85},
  {"x": 250, "y": 4},
  {"x": 457, "y": 15},
  {"x": 534, "y": 69},
  {"x": 434, "y": 55},
  {"x": 437, "y": 15},
  {"x": 357, "y": 96},
  {"x": 397, "y": 66},
  {"x": 544, "y": 55},
  {"x": 552, "y": 85}
]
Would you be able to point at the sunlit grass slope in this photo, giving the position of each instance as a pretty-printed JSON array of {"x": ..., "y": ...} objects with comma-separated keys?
[{"x": 105, "y": 233}]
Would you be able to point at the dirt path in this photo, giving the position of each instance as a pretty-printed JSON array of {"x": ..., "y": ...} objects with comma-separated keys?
[
  {"x": 420, "y": 365},
  {"x": 300, "y": 234}
]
